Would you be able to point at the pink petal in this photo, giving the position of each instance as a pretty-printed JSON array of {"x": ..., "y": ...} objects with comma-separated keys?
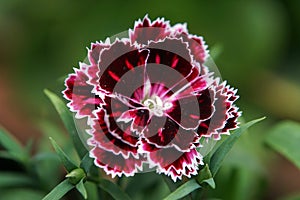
[
  {"x": 196, "y": 43},
  {"x": 145, "y": 30},
  {"x": 174, "y": 163},
  {"x": 116, "y": 165},
  {"x": 113, "y": 110},
  {"x": 95, "y": 50},
  {"x": 116, "y": 61},
  {"x": 164, "y": 132},
  {"x": 139, "y": 118},
  {"x": 78, "y": 91},
  {"x": 101, "y": 136},
  {"x": 225, "y": 116}
]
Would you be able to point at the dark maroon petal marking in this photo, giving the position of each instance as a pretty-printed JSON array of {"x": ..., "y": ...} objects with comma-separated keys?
[
  {"x": 145, "y": 31},
  {"x": 117, "y": 61},
  {"x": 116, "y": 165},
  {"x": 217, "y": 120},
  {"x": 139, "y": 118},
  {"x": 188, "y": 111},
  {"x": 169, "y": 63},
  {"x": 225, "y": 115},
  {"x": 172, "y": 52},
  {"x": 103, "y": 137},
  {"x": 78, "y": 91},
  {"x": 113, "y": 110},
  {"x": 232, "y": 122},
  {"x": 175, "y": 163},
  {"x": 164, "y": 132}
]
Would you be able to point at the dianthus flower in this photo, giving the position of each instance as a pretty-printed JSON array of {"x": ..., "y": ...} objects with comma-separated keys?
[{"x": 149, "y": 99}]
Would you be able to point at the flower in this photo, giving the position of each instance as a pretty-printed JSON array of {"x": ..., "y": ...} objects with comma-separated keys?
[{"x": 149, "y": 99}]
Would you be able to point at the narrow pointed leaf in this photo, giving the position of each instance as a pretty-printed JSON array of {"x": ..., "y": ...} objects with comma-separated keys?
[
  {"x": 21, "y": 193},
  {"x": 67, "y": 162},
  {"x": 59, "y": 191},
  {"x": 9, "y": 179},
  {"x": 183, "y": 190},
  {"x": 68, "y": 121},
  {"x": 92, "y": 190},
  {"x": 86, "y": 163},
  {"x": 285, "y": 139},
  {"x": 205, "y": 176},
  {"x": 171, "y": 185},
  {"x": 80, "y": 187},
  {"x": 113, "y": 189},
  {"x": 11, "y": 144},
  {"x": 222, "y": 151}
]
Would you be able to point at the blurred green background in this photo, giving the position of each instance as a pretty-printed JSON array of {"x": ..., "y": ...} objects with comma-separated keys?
[{"x": 41, "y": 41}]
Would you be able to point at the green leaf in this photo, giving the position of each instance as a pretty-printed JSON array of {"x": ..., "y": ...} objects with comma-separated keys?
[
  {"x": 86, "y": 163},
  {"x": 7, "y": 155},
  {"x": 208, "y": 145},
  {"x": 68, "y": 121},
  {"x": 205, "y": 176},
  {"x": 67, "y": 162},
  {"x": 59, "y": 191},
  {"x": 11, "y": 144},
  {"x": 219, "y": 155},
  {"x": 171, "y": 185},
  {"x": 285, "y": 139},
  {"x": 92, "y": 190},
  {"x": 183, "y": 190},
  {"x": 21, "y": 193},
  {"x": 9, "y": 179},
  {"x": 113, "y": 189},
  {"x": 80, "y": 187}
]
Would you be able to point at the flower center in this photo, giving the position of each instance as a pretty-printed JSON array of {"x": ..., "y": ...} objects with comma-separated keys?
[{"x": 157, "y": 106}]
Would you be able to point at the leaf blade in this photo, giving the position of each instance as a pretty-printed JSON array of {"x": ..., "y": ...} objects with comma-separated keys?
[
  {"x": 87, "y": 163},
  {"x": 59, "y": 191},
  {"x": 285, "y": 138},
  {"x": 68, "y": 121},
  {"x": 81, "y": 189},
  {"x": 9, "y": 179},
  {"x": 113, "y": 189},
  {"x": 205, "y": 176},
  {"x": 183, "y": 190},
  {"x": 221, "y": 152},
  {"x": 12, "y": 145},
  {"x": 67, "y": 162}
]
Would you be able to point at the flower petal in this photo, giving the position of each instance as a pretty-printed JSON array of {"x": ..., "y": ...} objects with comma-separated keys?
[
  {"x": 95, "y": 50},
  {"x": 196, "y": 43},
  {"x": 101, "y": 136},
  {"x": 118, "y": 60},
  {"x": 164, "y": 132},
  {"x": 174, "y": 163},
  {"x": 225, "y": 114},
  {"x": 188, "y": 111},
  {"x": 139, "y": 118},
  {"x": 113, "y": 110},
  {"x": 78, "y": 91},
  {"x": 116, "y": 165},
  {"x": 145, "y": 30}
]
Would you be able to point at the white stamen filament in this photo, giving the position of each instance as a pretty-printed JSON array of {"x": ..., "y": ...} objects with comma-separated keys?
[{"x": 157, "y": 106}]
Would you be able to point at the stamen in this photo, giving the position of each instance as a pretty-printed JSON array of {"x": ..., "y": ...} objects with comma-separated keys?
[{"x": 157, "y": 106}]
